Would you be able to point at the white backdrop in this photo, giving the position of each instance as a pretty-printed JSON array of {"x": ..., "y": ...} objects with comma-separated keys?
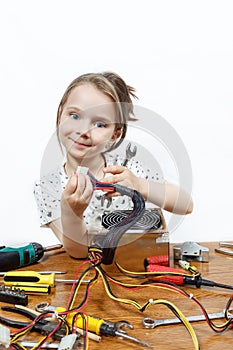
[{"x": 178, "y": 55}]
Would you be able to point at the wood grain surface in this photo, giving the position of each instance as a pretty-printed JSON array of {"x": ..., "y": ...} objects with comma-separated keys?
[{"x": 218, "y": 269}]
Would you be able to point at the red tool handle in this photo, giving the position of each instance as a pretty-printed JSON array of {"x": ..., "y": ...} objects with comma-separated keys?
[
  {"x": 158, "y": 260},
  {"x": 179, "y": 280}
]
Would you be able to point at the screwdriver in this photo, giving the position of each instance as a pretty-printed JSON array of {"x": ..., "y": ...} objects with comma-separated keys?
[
  {"x": 14, "y": 277},
  {"x": 168, "y": 275},
  {"x": 100, "y": 326},
  {"x": 13, "y": 258}
]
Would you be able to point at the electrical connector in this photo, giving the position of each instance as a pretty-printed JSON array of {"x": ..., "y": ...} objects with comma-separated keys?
[
  {"x": 186, "y": 266},
  {"x": 5, "y": 336},
  {"x": 67, "y": 342},
  {"x": 82, "y": 170}
]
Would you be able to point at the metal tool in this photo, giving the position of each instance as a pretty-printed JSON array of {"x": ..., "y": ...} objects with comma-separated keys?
[
  {"x": 15, "y": 257},
  {"x": 225, "y": 251},
  {"x": 129, "y": 153},
  {"x": 151, "y": 323},
  {"x": 106, "y": 198},
  {"x": 191, "y": 251},
  {"x": 32, "y": 344},
  {"x": 42, "y": 326},
  {"x": 44, "y": 306},
  {"x": 2, "y": 273},
  {"x": 14, "y": 277},
  {"x": 103, "y": 327},
  {"x": 13, "y": 296},
  {"x": 96, "y": 325},
  {"x": 160, "y": 273},
  {"x": 121, "y": 333}
]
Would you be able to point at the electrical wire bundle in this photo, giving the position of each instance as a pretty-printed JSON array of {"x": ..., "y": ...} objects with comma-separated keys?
[
  {"x": 102, "y": 252},
  {"x": 107, "y": 246}
]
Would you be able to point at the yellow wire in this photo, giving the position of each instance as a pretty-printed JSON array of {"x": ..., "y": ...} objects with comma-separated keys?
[
  {"x": 87, "y": 341},
  {"x": 148, "y": 285},
  {"x": 38, "y": 344},
  {"x": 126, "y": 301},
  {"x": 77, "y": 288},
  {"x": 183, "y": 319},
  {"x": 154, "y": 273},
  {"x": 161, "y": 287},
  {"x": 95, "y": 256},
  {"x": 19, "y": 334},
  {"x": 161, "y": 301},
  {"x": 21, "y": 346}
]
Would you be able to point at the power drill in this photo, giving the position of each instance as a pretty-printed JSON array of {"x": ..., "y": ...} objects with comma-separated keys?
[{"x": 13, "y": 258}]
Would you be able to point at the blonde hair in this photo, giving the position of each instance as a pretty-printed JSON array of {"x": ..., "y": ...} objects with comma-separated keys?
[{"x": 112, "y": 85}]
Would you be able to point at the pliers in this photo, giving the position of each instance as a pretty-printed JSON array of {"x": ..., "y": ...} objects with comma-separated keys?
[{"x": 42, "y": 326}]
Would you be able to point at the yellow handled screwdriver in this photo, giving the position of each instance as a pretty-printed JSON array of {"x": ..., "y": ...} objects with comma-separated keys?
[
  {"x": 14, "y": 277},
  {"x": 95, "y": 325},
  {"x": 100, "y": 326}
]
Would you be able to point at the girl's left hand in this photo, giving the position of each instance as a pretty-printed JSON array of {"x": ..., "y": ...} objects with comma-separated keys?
[{"x": 122, "y": 176}]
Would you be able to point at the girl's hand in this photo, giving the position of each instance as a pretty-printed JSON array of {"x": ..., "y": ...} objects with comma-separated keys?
[
  {"x": 123, "y": 176},
  {"x": 78, "y": 193}
]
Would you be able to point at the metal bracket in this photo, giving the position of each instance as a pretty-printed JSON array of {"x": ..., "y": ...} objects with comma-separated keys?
[{"x": 191, "y": 251}]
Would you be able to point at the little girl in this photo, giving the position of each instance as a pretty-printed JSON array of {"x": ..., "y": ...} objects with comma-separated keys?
[{"x": 92, "y": 120}]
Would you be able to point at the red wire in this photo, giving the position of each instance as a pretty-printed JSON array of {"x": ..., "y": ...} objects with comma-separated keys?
[
  {"x": 75, "y": 281},
  {"x": 147, "y": 285}
]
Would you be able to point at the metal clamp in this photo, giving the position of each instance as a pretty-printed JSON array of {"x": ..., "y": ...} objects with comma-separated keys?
[{"x": 191, "y": 251}]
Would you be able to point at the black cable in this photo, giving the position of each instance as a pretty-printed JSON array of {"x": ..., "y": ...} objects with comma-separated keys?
[
  {"x": 84, "y": 327},
  {"x": 92, "y": 267},
  {"x": 109, "y": 243}
]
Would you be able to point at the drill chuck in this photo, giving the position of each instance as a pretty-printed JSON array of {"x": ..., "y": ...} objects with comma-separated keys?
[{"x": 38, "y": 251}]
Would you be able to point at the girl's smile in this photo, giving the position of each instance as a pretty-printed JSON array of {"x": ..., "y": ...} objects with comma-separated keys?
[{"x": 80, "y": 144}]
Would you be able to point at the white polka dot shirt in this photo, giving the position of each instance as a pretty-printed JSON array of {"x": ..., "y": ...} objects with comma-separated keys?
[{"x": 48, "y": 191}]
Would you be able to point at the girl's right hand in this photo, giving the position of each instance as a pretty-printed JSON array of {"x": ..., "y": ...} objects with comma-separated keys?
[{"x": 78, "y": 193}]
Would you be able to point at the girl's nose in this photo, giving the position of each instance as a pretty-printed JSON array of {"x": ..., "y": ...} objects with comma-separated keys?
[{"x": 83, "y": 129}]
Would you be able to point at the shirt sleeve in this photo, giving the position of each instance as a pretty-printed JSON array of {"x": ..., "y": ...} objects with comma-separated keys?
[{"x": 48, "y": 200}]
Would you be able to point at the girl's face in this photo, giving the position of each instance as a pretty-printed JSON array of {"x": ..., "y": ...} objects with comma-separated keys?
[{"x": 88, "y": 121}]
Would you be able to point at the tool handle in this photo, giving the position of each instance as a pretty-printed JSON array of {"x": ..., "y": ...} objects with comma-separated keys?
[
  {"x": 13, "y": 277},
  {"x": 164, "y": 276},
  {"x": 162, "y": 260},
  {"x": 13, "y": 258},
  {"x": 94, "y": 324}
]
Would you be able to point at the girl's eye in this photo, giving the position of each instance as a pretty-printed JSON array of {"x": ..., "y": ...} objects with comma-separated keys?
[
  {"x": 74, "y": 116},
  {"x": 100, "y": 125}
]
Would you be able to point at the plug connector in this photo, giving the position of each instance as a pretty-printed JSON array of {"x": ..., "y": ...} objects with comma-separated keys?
[
  {"x": 82, "y": 170},
  {"x": 5, "y": 336},
  {"x": 67, "y": 342}
]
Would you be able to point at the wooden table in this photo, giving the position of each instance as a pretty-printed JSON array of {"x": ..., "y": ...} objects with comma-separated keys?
[{"x": 218, "y": 269}]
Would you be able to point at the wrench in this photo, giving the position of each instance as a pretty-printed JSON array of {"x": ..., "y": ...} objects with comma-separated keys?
[
  {"x": 129, "y": 153},
  {"x": 151, "y": 323},
  {"x": 107, "y": 199}
]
